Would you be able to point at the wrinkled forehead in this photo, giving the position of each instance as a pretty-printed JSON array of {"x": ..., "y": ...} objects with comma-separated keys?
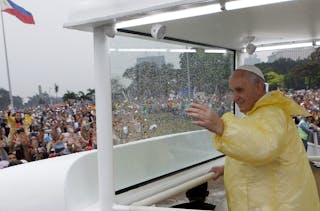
[
  {"x": 239, "y": 77},
  {"x": 238, "y": 73}
]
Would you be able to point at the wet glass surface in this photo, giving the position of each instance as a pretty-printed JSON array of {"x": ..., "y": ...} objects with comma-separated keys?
[{"x": 153, "y": 83}]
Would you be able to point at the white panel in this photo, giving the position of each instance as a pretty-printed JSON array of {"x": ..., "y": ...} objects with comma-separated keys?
[
  {"x": 36, "y": 185},
  {"x": 144, "y": 160}
]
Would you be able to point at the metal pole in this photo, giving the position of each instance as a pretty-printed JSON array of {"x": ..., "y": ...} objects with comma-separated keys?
[
  {"x": 188, "y": 74},
  {"x": 102, "y": 72},
  {"x": 6, "y": 59}
]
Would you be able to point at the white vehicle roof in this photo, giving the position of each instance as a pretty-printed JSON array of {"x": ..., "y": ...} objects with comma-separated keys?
[{"x": 286, "y": 22}]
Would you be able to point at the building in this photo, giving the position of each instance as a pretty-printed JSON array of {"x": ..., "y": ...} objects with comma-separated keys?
[{"x": 294, "y": 54}]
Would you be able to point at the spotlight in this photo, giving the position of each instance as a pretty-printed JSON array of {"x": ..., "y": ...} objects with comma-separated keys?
[
  {"x": 251, "y": 48},
  {"x": 314, "y": 44},
  {"x": 222, "y": 5},
  {"x": 158, "y": 31}
]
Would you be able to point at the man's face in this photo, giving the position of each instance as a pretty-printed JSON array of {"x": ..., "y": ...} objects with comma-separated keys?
[
  {"x": 12, "y": 157},
  {"x": 18, "y": 116},
  {"x": 246, "y": 92}
]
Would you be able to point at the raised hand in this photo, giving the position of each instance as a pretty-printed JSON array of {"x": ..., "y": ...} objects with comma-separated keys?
[{"x": 205, "y": 117}]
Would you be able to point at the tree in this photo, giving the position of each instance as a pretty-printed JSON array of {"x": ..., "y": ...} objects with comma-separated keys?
[
  {"x": 308, "y": 72},
  {"x": 69, "y": 96},
  {"x": 81, "y": 96},
  {"x": 275, "y": 80},
  {"x": 117, "y": 89},
  {"x": 305, "y": 74},
  {"x": 146, "y": 80},
  {"x": 292, "y": 71},
  {"x": 5, "y": 100},
  {"x": 17, "y": 101},
  {"x": 34, "y": 100},
  {"x": 91, "y": 94},
  {"x": 281, "y": 66},
  {"x": 208, "y": 72}
]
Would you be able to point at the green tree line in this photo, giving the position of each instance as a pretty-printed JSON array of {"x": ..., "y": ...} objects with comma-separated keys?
[{"x": 289, "y": 74}]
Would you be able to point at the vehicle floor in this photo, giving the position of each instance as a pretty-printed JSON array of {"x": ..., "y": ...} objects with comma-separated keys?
[{"x": 316, "y": 173}]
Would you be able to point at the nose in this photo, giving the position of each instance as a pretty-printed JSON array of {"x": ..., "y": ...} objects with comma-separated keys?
[{"x": 235, "y": 98}]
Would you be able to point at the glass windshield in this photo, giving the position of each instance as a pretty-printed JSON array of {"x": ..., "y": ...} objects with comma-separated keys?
[{"x": 153, "y": 83}]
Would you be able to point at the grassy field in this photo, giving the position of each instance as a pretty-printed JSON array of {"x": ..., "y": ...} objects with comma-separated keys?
[{"x": 166, "y": 123}]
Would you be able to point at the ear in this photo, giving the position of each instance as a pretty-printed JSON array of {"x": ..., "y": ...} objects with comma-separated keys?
[{"x": 261, "y": 88}]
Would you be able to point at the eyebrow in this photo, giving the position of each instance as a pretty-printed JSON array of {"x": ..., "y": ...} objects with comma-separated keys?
[{"x": 238, "y": 88}]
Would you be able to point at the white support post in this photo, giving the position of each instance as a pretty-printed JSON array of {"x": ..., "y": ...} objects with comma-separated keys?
[
  {"x": 239, "y": 58},
  {"x": 102, "y": 70}
]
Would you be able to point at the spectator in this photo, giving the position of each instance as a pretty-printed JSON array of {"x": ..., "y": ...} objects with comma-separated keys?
[
  {"x": 16, "y": 123},
  {"x": 305, "y": 130},
  {"x": 197, "y": 197},
  {"x": 3, "y": 145}
]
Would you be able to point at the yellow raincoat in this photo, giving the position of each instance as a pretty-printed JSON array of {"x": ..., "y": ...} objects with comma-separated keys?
[
  {"x": 266, "y": 167},
  {"x": 12, "y": 124}
]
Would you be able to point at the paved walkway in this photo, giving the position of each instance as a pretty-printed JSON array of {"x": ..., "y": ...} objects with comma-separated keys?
[{"x": 316, "y": 172}]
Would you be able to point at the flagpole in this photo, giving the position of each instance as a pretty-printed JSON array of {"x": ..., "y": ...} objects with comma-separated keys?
[{"x": 6, "y": 59}]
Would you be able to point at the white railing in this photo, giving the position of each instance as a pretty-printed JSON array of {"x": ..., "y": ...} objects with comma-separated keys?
[
  {"x": 314, "y": 149},
  {"x": 174, "y": 191}
]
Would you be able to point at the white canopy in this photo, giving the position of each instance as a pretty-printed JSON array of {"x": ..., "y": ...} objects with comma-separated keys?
[{"x": 286, "y": 22}]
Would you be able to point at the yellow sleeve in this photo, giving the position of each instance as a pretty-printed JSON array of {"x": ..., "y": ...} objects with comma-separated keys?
[
  {"x": 257, "y": 139},
  {"x": 28, "y": 119},
  {"x": 11, "y": 120}
]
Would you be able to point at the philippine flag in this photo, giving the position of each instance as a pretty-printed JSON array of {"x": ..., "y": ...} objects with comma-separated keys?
[{"x": 13, "y": 9}]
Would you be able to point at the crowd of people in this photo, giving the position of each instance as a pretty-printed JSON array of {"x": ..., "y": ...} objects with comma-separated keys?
[
  {"x": 60, "y": 129},
  {"x": 139, "y": 119},
  {"x": 310, "y": 100},
  {"x": 307, "y": 126},
  {"x": 44, "y": 132}
]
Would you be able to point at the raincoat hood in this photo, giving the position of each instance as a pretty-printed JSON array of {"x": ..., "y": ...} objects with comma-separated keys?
[{"x": 277, "y": 98}]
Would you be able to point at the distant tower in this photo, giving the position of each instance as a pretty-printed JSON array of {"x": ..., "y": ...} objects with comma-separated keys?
[
  {"x": 41, "y": 101},
  {"x": 40, "y": 90}
]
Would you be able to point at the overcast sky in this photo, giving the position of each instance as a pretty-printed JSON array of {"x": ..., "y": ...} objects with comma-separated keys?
[{"x": 45, "y": 53}]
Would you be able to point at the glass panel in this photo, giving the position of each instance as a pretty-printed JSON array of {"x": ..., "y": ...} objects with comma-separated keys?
[
  {"x": 288, "y": 69},
  {"x": 153, "y": 83}
]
